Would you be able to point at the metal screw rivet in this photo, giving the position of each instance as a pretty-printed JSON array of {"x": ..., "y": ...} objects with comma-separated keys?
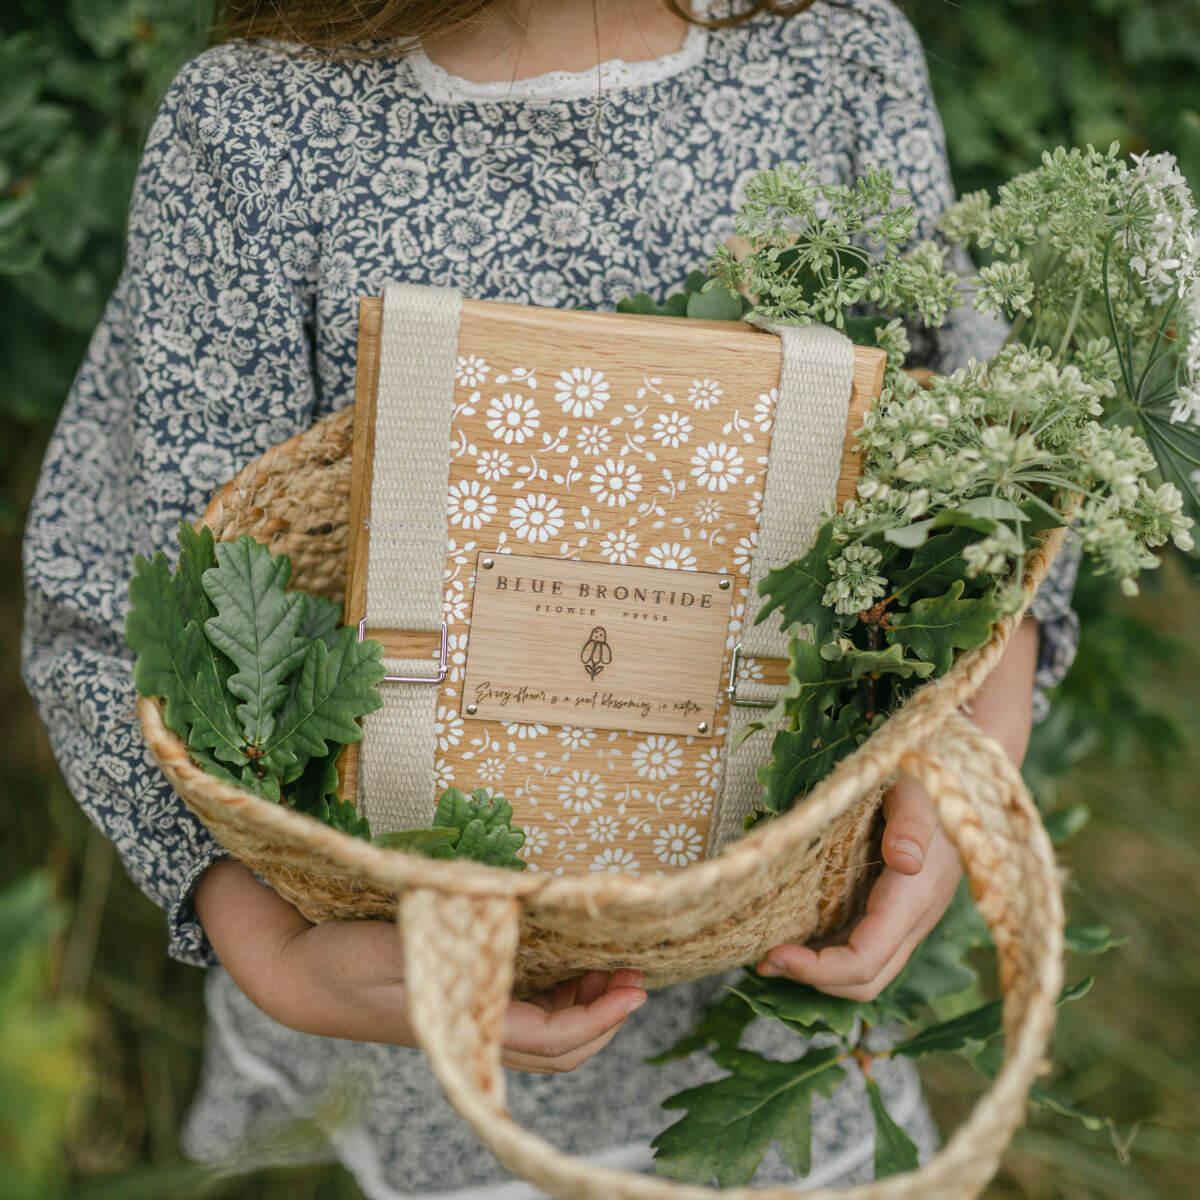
[
  {"x": 702, "y": 727},
  {"x": 472, "y": 709},
  {"x": 488, "y": 564},
  {"x": 724, "y": 585}
]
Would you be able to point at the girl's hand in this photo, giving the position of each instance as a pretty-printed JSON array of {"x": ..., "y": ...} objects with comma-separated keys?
[
  {"x": 921, "y": 868},
  {"x": 345, "y": 979}
]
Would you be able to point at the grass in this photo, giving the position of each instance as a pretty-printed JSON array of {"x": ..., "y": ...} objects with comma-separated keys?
[{"x": 1131, "y": 1050}]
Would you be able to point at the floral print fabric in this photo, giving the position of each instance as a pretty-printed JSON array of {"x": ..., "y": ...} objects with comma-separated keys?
[{"x": 276, "y": 188}]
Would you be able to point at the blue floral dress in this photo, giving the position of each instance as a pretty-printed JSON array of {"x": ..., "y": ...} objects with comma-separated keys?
[{"x": 276, "y": 188}]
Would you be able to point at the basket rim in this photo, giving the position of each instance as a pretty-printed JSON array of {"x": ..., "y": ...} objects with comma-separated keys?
[{"x": 877, "y": 760}]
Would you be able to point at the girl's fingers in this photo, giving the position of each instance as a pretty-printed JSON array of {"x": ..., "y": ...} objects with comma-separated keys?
[
  {"x": 911, "y": 824},
  {"x": 901, "y": 910},
  {"x": 539, "y": 1065},
  {"x": 532, "y": 1030}
]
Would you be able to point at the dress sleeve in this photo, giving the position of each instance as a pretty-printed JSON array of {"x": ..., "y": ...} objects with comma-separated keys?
[
  {"x": 885, "y": 95},
  {"x": 200, "y": 363}
]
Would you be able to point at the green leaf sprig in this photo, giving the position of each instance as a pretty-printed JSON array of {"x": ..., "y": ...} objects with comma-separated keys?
[{"x": 263, "y": 684}]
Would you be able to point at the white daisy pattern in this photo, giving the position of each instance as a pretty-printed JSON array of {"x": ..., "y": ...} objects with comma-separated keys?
[
  {"x": 717, "y": 466},
  {"x": 494, "y": 464},
  {"x": 581, "y": 391},
  {"x": 616, "y": 482},
  {"x": 677, "y": 844},
  {"x": 616, "y": 859},
  {"x": 471, "y": 371},
  {"x": 704, "y": 394},
  {"x": 619, "y": 546},
  {"x": 513, "y": 418},
  {"x": 671, "y": 428},
  {"x": 581, "y": 791},
  {"x": 658, "y": 757},
  {"x": 674, "y": 556},
  {"x": 470, "y": 504},
  {"x": 537, "y": 518}
]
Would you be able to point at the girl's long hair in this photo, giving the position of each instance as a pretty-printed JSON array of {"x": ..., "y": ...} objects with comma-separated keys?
[{"x": 355, "y": 26}]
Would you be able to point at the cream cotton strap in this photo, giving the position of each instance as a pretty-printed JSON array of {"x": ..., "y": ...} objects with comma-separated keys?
[
  {"x": 815, "y": 380},
  {"x": 407, "y": 546}
]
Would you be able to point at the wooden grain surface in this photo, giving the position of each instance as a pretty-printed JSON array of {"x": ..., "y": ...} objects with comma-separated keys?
[{"x": 631, "y": 351}]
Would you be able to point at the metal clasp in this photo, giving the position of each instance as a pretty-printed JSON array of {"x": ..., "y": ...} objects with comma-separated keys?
[
  {"x": 443, "y": 659},
  {"x": 731, "y": 685}
]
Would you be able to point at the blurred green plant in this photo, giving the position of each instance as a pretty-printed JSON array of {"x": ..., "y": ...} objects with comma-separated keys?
[
  {"x": 79, "y": 82},
  {"x": 43, "y": 1064}
]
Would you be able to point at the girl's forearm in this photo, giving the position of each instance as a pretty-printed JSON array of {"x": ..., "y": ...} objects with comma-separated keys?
[{"x": 1003, "y": 706}]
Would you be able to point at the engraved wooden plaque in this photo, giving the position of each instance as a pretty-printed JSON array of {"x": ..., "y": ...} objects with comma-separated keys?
[{"x": 588, "y": 443}]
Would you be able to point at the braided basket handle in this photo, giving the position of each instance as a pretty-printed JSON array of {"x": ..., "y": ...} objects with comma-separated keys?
[{"x": 459, "y": 953}]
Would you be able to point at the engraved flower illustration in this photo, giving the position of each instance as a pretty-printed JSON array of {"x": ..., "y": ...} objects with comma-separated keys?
[
  {"x": 575, "y": 738},
  {"x": 671, "y": 428},
  {"x": 695, "y": 804},
  {"x": 581, "y": 391},
  {"x": 470, "y": 504},
  {"x": 443, "y": 773},
  {"x": 764, "y": 409},
  {"x": 494, "y": 465},
  {"x": 672, "y": 555},
  {"x": 616, "y": 482},
  {"x": 513, "y": 418},
  {"x": 582, "y": 791},
  {"x": 471, "y": 370},
  {"x": 614, "y": 859},
  {"x": 657, "y": 757},
  {"x": 708, "y": 766},
  {"x": 448, "y": 727},
  {"x": 524, "y": 730},
  {"x": 707, "y": 510},
  {"x": 717, "y": 466},
  {"x": 593, "y": 440},
  {"x": 678, "y": 845},
  {"x": 536, "y": 840},
  {"x": 704, "y": 393},
  {"x": 536, "y": 518},
  {"x": 619, "y": 546},
  {"x": 603, "y": 829},
  {"x": 491, "y": 770},
  {"x": 743, "y": 552}
]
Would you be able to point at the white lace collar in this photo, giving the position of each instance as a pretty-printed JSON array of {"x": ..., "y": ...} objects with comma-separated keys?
[{"x": 615, "y": 74}]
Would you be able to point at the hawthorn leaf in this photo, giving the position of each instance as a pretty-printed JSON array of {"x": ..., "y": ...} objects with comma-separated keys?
[
  {"x": 977, "y": 1026},
  {"x": 796, "y": 590},
  {"x": 939, "y": 967},
  {"x": 256, "y": 625},
  {"x": 715, "y": 304},
  {"x": 321, "y": 618},
  {"x": 173, "y": 660},
  {"x": 1041, "y": 1096},
  {"x": 344, "y": 816},
  {"x": 934, "y": 628},
  {"x": 895, "y": 1152},
  {"x": 731, "y": 1122},
  {"x": 891, "y": 661},
  {"x": 803, "y": 1007},
  {"x": 720, "y": 1027},
  {"x": 484, "y": 823},
  {"x": 803, "y": 756},
  {"x": 417, "y": 841},
  {"x": 336, "y": 687},
  {"x": 1092, "y": 939},
  {"x": 936, "y": 565}
]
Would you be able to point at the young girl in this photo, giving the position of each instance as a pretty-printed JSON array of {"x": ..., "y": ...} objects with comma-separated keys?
[{"x": 550, "y": 152}]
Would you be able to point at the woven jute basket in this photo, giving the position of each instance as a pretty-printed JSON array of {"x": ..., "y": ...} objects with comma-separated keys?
[{"x": 472, "y": 935}]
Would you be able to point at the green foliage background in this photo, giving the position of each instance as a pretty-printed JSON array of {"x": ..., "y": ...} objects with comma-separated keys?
[{"x": 113, "y": 1062}]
